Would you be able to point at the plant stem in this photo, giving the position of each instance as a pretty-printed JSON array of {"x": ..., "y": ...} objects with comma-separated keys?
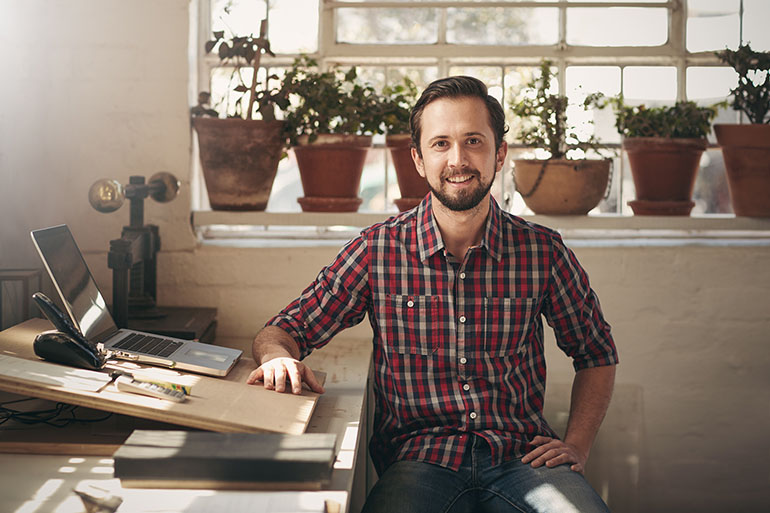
[{"x": 255, "y": 65}]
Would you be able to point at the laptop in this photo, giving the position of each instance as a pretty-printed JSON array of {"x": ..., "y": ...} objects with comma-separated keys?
[{"x": 87, "y": 310}]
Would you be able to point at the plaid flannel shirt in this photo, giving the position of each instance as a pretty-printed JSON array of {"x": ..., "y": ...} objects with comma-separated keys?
[{"x": 458, "y": 346}]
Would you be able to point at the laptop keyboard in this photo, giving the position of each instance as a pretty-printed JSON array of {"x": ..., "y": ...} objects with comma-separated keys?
[{"x": 147, "y": 344}]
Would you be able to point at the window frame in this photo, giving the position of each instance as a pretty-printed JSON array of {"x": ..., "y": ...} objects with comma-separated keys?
[{"x": 443, "y": 56}]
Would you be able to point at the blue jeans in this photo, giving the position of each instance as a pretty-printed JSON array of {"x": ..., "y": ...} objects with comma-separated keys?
[{"x": 415, "y": 487}]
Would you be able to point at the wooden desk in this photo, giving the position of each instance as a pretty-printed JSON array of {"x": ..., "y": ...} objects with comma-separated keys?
[
  {"x": 44, "y": 483},
  {"x": 216, "y": 404}
]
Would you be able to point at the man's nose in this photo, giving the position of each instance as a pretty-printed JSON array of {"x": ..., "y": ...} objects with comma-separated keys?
[{"x": 457, "y": 157}]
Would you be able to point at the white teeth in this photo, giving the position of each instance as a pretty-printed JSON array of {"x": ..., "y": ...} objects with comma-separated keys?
[{"x": 458, "y": 179}]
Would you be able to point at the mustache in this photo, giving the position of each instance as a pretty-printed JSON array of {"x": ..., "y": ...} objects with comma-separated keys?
[{"x": 447, "y": 173}]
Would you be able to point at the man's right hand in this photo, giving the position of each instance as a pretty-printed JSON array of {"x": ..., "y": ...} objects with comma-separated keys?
[{"x": 274, "y": 373}]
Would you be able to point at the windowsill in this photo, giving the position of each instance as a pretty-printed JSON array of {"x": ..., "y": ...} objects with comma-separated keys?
[{"x": 274, "y": 229}]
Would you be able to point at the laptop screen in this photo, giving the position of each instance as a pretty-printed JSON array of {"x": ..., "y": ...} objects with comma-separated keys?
[{"x": 73, "y": 280}]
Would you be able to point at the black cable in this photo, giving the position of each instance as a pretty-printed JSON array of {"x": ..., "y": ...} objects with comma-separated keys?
[{"x": 61, "y": 415}]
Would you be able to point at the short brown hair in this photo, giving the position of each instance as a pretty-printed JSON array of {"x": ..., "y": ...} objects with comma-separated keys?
[{"x": 457, "y": 87}]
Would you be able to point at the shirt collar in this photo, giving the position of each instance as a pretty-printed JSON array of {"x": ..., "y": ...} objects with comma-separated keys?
[{"x": 429, "y": 239}]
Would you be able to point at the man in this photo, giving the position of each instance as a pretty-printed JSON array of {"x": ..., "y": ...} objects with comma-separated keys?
[{"x": 454, "y": 290}]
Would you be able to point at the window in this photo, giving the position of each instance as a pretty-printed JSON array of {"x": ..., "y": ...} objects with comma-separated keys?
[{"x": 652, "y": 51}]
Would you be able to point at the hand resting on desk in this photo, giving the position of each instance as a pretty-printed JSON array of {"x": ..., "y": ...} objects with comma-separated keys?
[
  {"x": 273, "y": 375},
  {"x": 278, "y": 357}
]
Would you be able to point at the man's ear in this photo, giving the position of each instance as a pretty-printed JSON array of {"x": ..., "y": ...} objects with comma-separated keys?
[
  {"x": 502, "y": 152},
  {"x": 418, "y": 163}
]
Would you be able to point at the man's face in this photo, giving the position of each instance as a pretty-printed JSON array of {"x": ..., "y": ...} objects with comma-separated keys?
[{"x": 458, "y": 160}]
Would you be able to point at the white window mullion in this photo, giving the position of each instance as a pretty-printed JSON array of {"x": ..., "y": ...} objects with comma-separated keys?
[
  {"x": 677, "y": 39},
  {"x": 327, "y": 29}
]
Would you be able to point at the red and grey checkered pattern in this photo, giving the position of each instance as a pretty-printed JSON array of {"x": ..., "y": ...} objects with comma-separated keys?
[{"x": 458, "y": 346}]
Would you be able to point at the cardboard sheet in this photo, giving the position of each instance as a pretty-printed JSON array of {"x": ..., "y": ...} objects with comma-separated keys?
[{"x": 216, "y": 404}]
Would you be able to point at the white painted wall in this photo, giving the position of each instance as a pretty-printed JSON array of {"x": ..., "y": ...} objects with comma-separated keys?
[
  {"x": 90, "y": 89},
  {"x": 94, "y": 89}
]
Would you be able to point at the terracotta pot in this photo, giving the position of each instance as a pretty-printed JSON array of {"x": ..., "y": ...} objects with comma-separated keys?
[
  {"x": 746, "y": 151},
  {"x": 239, "y": 159},
  {"x": 413, "y": 187},
  {"x": 664, "y": 169},
  {"x": 661, "y": 208},
  {"x": 331, "y": 167},
  {"x": 566, "y": 187}
]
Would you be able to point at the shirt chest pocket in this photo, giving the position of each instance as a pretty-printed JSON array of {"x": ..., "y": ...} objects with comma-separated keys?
[
  {"x": 412, "y": 324},
  {"x": 506, "y": 322}
]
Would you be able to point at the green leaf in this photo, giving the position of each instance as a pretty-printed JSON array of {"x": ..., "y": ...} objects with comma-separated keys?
[{"x": 224, "y": 51}]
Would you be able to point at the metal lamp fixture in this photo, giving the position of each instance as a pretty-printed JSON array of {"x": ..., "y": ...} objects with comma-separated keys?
[
  {"x": 107, "y": 195},
  {"x": 132, "y": 258}
]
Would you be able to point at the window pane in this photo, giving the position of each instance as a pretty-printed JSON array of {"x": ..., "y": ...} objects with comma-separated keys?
[
  {"x": 237, "y": 17},
  {"x": 515, "y": 82},
  {"x": 373, "y": 184},
  {"x": 617, "y": 26},
  {"x": 223, "y": 81},
  {"x": 290, "y": 33},
  {"x": 492, "y": 76},
  {"x": 649, "y": 84},
  {"x": 421, "y": 76},
  {"x": 711, "y": 194},
  {"x": 287, "y": 187},
  {"x": 755, "y": 16},
  {"x": 708, "y": 86},
  {"x": 372, "y": 75},
  {"x": 712, "y": 24},
  {"x": 502, "y": 26},
  {"x": 584, "y": 80},
  {"x": 357, "y": 25}
]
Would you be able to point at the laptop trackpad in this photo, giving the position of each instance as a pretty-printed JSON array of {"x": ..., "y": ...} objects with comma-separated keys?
[{"x": 207, "y": 355}]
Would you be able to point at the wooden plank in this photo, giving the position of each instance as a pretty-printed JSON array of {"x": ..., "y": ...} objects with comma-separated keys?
[
  {"x": 215, "y": 404},
  {"x": 195, "y": 459}
]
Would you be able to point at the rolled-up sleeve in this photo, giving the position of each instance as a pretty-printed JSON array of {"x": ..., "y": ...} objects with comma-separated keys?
[
  {"x": 573, "y": 311},
  {"x": 338, "y": 298}
]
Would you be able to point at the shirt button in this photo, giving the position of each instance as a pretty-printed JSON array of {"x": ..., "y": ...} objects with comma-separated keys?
[
  {"x": 410, "y": 303},
  {"x": 473, "y": 415},
  {"x": 462, "y": 276},
  {"x": 467, "y": 387},
  {"x": 462, "y": 318},
  {"x": 463, "y": 360}
]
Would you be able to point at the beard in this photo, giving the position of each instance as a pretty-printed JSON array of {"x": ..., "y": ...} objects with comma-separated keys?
[{"x": 464, "y": 200}]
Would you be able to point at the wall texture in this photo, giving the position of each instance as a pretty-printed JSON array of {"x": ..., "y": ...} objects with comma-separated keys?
[
  {"x": 90, "y": 90},
  {"x": 99, "y": 89}
]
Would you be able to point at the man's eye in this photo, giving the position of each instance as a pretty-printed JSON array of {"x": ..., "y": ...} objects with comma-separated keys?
[
  {"x": 440, "y": 144},
  {"x": 474, "y": 140}
]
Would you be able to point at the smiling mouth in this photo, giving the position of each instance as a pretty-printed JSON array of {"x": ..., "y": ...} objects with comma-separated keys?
[{"x": 459, "y": 178}]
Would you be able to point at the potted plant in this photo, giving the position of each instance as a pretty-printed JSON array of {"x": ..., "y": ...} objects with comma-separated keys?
[
  {"x": 397, "y": 102},
  {"x": 746, "y": 147},
  {"x": 664, "y": 146},
  {"x": 239, "y": 154},
  {"x": 330, "y": 123},
  {"x": 558, "y": 185}
]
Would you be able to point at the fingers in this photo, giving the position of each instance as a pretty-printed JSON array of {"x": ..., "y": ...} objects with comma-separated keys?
[
  {"x": 552, "y": 452},
  {"x": 274, "y": 375},
  {"x": 312, "y": 381},
  {"x": 540, "y": 440},
  {"x": 256, "y": 375}
]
